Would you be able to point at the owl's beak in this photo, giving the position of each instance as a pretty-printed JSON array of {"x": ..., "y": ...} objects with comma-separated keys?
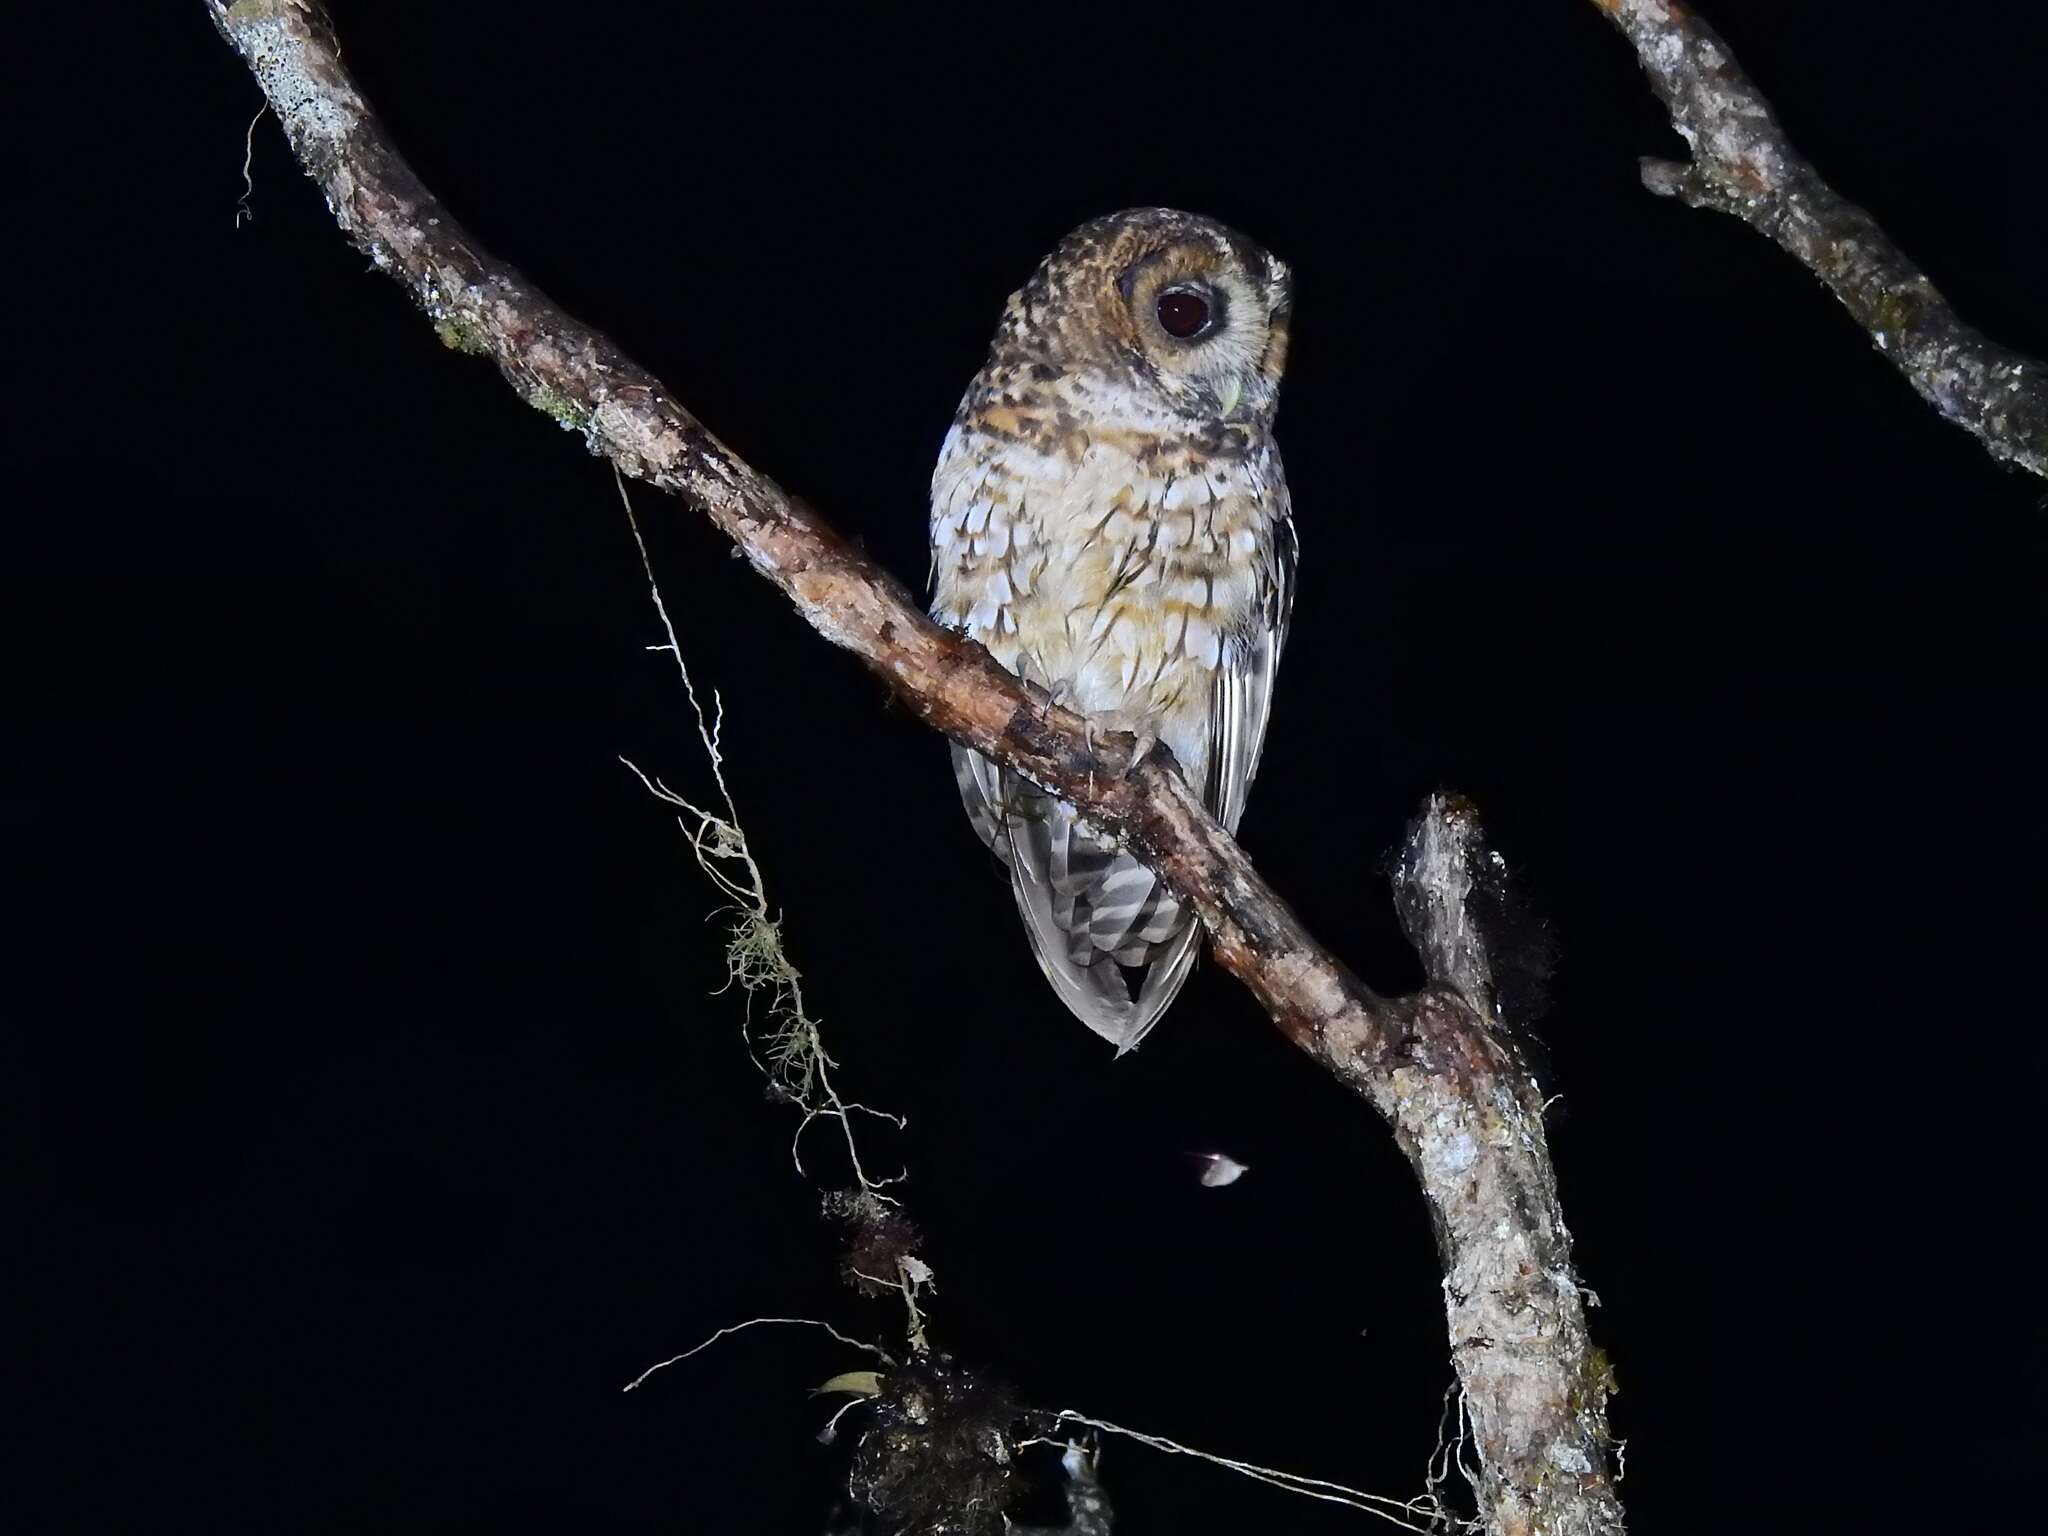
[{"x": 1229, "y": 392}]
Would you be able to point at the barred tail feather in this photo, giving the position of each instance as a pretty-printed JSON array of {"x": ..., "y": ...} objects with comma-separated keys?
[
  {"x": 1172, "y": 963},
  {"x": 1091, "y": 911}
]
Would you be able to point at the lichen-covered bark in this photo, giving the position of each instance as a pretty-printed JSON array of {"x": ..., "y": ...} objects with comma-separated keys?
[
  {"x": 1463, "y": 1111},
  {"x": 1471, "y": 1120},
  {"x": 1743, "y": 164}
]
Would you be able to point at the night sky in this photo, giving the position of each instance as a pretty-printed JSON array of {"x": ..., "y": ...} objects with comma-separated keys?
[{"x": 369, "y": 1116}]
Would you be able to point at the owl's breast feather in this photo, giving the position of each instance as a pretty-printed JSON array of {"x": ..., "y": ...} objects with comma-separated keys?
[{"x": 1116, "y": 577}]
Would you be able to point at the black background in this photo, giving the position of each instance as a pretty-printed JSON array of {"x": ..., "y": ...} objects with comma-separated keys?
[{"x": 374, "y": 1119}]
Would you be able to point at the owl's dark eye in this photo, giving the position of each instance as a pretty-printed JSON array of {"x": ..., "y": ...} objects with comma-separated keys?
[{"x": 1183, "y": 313}]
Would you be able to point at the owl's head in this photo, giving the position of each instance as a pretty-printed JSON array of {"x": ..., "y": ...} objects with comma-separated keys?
[{"x": 1186, "y": 312}]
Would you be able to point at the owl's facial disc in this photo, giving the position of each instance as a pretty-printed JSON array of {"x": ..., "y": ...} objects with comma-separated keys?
[{"x": 1204, "y": 326}]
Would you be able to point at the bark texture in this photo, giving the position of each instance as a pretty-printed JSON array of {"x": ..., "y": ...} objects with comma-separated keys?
[
  {"x": 1743, "y": 164},
  {"x": 1463, "y": 1110}
]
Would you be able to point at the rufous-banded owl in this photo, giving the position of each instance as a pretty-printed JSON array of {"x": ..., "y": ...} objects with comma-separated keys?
[{"x": 1110, "y": 519}]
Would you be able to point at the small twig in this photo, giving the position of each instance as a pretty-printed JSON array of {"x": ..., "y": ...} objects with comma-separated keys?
[
  {"x": 831, "y": 1430},
  {"x": 1449, "y": 1453},
  {"x": 1385, "y": 1508},
  {"x": 755, "y": 959},
  {"x": 1743, "y": 164},
  {"x": 803, "y": 1322},
  {"x": 243, "y": 208}
]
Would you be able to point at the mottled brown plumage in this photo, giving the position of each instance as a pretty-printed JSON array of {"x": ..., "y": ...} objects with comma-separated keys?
[{"x": 1109, "y": 517}]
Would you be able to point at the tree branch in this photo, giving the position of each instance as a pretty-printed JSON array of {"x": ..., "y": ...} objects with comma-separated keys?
[
  {"x": 1466, "y": 1115},
  {"x": 1742, "y": 164}
]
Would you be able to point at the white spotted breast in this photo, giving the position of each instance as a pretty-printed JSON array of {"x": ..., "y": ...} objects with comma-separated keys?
[{"x": 1119, "y": 570}]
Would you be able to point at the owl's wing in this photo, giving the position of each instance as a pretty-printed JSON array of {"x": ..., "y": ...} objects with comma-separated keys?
[
  {"x": 1240, "y": 701},
  {"x": 1241, "y": 698},
  {"x": 980, "y": 783}
]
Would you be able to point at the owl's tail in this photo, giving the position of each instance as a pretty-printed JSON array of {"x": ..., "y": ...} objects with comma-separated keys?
[{"x": 1111, "y": 938}]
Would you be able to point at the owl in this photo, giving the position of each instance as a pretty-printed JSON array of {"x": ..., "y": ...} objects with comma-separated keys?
[{"x": 1109, "y": 518}]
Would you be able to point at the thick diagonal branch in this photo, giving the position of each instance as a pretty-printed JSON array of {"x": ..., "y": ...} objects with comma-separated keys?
[
  {"x": 1462, "y": 1111},
  {"x": 1743, "y": 164}
]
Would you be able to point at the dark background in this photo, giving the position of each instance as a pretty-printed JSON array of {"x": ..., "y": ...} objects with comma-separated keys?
[{"x": 373, "y": 1119}]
